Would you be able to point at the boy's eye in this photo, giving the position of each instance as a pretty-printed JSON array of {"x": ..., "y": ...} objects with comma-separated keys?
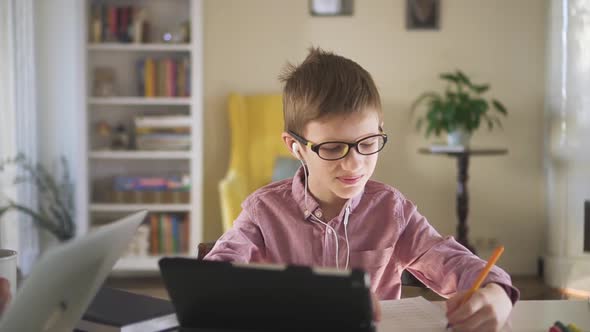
[
  {"x": 332, "y": 150},
  {"x": 333, "y": 147},
  {"x": 368, "y": 144}
]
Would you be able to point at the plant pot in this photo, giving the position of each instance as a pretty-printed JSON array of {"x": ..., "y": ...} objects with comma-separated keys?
[{"x": 458, "y": 137}]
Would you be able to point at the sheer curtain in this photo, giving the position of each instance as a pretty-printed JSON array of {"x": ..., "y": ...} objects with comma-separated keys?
[{"x": 18, "y": 121}]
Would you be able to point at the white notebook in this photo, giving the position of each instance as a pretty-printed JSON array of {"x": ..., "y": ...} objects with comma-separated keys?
[{"x": 411, "y": 314}]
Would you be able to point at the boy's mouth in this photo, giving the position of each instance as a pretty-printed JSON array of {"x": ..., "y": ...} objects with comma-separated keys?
[{"x": 350, "y": 179}]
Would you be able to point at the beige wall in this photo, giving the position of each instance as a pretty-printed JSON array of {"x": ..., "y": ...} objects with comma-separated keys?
[{"x": 500, "y": 42}]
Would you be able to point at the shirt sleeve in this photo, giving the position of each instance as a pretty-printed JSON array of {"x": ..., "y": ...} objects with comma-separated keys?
[
  {"x": 441, "y": 263},
  {"x": 243, "y": 243}
]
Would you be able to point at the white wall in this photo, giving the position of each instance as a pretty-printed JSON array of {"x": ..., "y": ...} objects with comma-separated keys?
[{"x": 500, "y": 42}]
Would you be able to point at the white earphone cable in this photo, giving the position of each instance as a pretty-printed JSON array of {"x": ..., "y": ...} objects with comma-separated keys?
[
  {"x": 346, "y": 218},
  {"x": 316, "y": 219},
  {"x": 346, "y": 215}
]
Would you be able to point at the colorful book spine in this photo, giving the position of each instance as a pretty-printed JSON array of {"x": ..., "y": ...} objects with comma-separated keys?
[
  {"x": 162, "y": 233},
  {"x": 104, "y": 20},
  {"x": 170, "y": 78},
  {"x": 140, "y": 66},
  {"x": 124, "y": 24},
  {"x": 154, "y": 234},
  {"x": 181, "y": 79},
  {"x": 113, "y": 16},
  {"x": 169, "y": 233},
  {"x": 161, "y": 78},
  {"x": 185, "y": 234},
  {"x": 150, "y": 77},
  {"x": 95, "y": 23},
  {"x": 187, "y": 67},
  {"x": 175, "y": 234}
]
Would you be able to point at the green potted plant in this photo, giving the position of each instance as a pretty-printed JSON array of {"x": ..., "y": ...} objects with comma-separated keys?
[
  {"x": 458, "y": 111},
  {"x": 55, "y": 209}
]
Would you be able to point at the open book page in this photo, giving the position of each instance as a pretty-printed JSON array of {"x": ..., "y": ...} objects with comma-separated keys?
[{"x": 411, "y": 314}]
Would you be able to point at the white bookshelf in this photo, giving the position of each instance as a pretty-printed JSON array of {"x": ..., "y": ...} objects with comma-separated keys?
[
  {"x": 98, "y": 207},
  {"x": 126, "y": 104},
  {"x": 141, "y": 101},
  {"x": 140, "y": 155},
  {"x": 139, "y": 47}
]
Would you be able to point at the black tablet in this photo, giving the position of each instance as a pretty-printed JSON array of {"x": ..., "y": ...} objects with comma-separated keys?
[{"x": 234, "y": 297}]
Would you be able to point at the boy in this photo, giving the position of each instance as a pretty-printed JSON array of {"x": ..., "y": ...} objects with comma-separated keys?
[{"x": 333, "y": 125}]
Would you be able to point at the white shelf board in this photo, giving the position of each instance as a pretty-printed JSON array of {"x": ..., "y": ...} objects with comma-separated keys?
[
  {"x": 140, "y": 101},
  {"x": 131, "y": 47},
  {"x": 124, "y": 155},
  {"x": 100, "y": 207}
]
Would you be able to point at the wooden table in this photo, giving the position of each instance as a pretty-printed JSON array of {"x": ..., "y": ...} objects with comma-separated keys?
[{"x": 462, "y": 177}]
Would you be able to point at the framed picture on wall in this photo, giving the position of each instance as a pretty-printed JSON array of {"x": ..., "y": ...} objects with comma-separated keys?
[
  {"x": 330, "y": 7},
  {"x": 422, "y": 14}
]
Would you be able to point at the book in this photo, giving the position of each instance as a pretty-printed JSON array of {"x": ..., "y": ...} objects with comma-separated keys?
[
  {"x": 112, "y": 23},
  {"x": 185, "y": 234},
  {"x": 163, "y": 130},
  {"x": 150, "y": 77},
  {"x": 181, "y": 79},
  {"x": 118, "y": 310},
  {"x": 161, "y": 78},
  {"x": 162, "y": 121},
  {"x": 170, "y": 78},
  {"x": 140, "y": 66},
  {"x": 187, "y": 77},
  {"x": 175, "y": 234},
  {"x": 154, "y": 234}
]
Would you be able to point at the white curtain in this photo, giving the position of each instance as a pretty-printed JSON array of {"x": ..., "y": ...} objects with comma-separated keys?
[{"x": 18, "y": 121}]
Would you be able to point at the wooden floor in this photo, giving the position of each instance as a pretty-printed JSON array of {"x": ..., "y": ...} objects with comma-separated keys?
[{"x": 531, "y": 288}]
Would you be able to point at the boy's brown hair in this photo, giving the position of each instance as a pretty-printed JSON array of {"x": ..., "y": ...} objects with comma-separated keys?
[{"x": 325, "y": 84}]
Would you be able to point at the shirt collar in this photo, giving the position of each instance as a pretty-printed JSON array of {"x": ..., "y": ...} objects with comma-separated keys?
[{"x": 298, "y": 189}]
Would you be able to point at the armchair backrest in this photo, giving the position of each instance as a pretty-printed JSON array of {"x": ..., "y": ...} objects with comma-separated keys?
[{"x": 256, "y": 124}]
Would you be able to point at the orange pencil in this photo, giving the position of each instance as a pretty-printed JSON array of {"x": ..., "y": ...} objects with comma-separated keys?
[{"x": 484, "y": 273}]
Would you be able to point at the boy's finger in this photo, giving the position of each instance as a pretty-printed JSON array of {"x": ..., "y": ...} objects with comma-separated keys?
[
  {"x": 376, "y": 308},
  {"x": 454, "y": 302},
  {"x": 475, "y": 322},
  {"x": 466, "y": 310}
]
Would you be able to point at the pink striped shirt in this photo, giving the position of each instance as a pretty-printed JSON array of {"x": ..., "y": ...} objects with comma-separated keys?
[{"x": 386, "y": 234}]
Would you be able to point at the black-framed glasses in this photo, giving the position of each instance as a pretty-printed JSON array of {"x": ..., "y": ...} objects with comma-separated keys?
[{"x": 334, "y": 150}]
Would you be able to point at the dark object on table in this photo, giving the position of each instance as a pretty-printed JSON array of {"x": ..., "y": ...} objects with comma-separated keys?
[
  {"x": 118, "y": 310},
  {"x": 222, "y": 295}
]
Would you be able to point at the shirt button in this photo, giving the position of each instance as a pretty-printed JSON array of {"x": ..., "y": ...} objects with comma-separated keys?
[
  {"x": 318, "y": 213},
  {"x": 329, "y": 231}
]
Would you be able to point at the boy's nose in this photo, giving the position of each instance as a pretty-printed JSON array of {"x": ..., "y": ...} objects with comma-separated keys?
[{"x": 353, "y": 161}]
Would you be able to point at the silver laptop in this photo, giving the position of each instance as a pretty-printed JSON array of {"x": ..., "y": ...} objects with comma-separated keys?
[{"x": 62, "y": 284}]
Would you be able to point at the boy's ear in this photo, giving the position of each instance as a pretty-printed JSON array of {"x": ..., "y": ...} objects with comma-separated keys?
[{"x": 289, "y": 141}]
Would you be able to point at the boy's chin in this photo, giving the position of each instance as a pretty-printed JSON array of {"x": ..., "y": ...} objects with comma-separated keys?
[{"x": 349, "y": 192}]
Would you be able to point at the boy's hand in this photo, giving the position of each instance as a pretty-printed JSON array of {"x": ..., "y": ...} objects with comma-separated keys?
[
  {"x": 487, "y": 310},
  {"x": 4, "y": 294},
  {"x": 376, "y": 307}
]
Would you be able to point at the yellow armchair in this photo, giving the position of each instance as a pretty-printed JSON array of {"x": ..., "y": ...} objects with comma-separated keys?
[{"x": 256, "y": 124}]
